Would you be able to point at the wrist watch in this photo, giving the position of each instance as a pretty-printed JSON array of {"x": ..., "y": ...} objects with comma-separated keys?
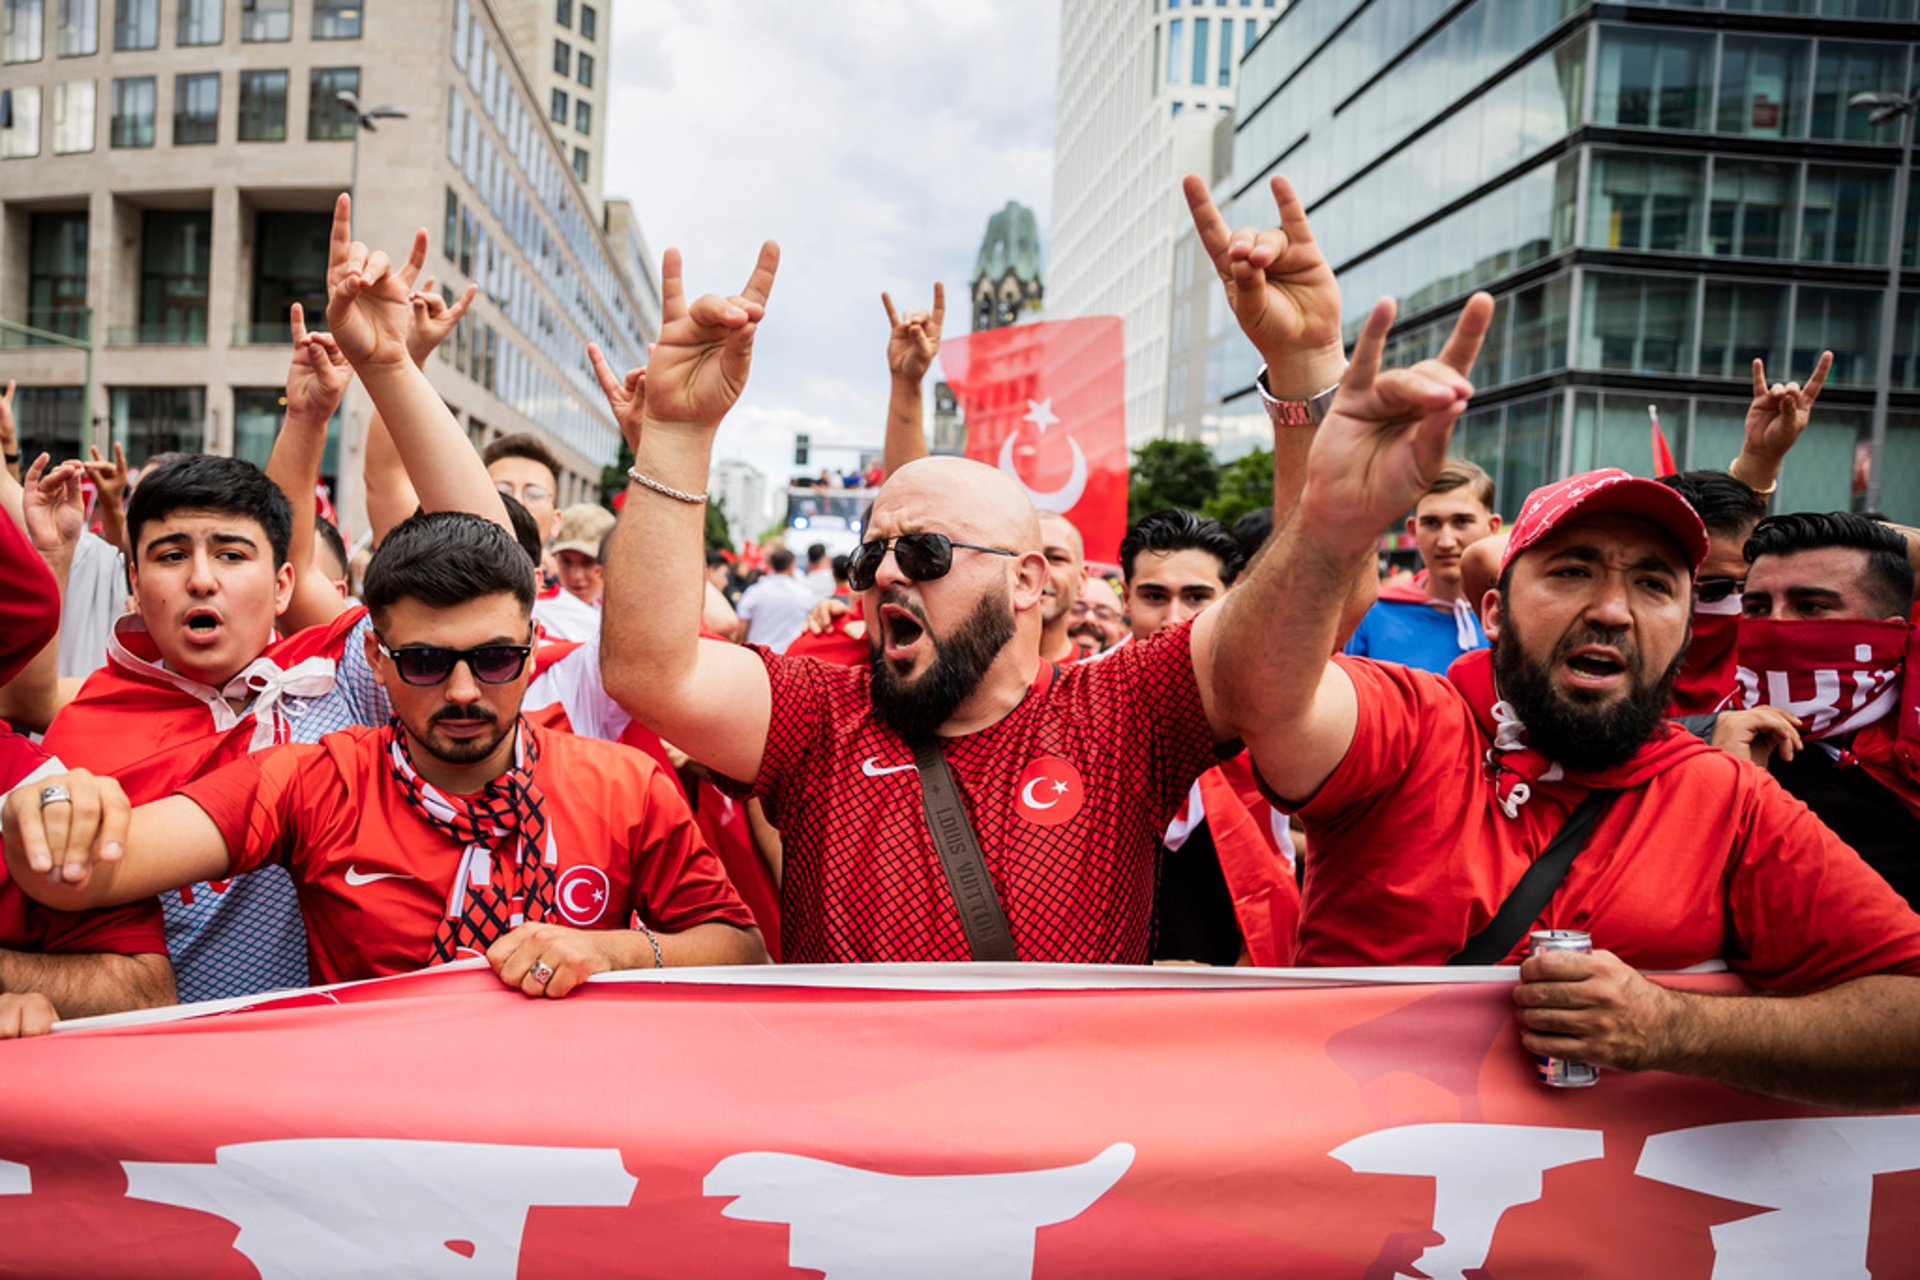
[{"x": 1295, "y": 413}]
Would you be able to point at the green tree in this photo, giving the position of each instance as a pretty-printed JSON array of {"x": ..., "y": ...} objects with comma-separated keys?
[
  {"x": 719, "y": 538},
  {"x": 1245, "y": 483},
  {"x": 1171, "y": 473}
]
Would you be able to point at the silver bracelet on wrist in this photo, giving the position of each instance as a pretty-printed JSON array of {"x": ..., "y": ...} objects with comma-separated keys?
[
  {"x": 658, "y": 963},
  {"x": 638, "y": 478}
]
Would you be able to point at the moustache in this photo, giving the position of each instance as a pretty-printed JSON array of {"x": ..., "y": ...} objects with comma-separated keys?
[
  {"x": 898, "y": 597},
  {"x": 463, "y": 715}
]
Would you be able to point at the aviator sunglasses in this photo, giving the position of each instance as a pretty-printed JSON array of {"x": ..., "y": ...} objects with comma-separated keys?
[
  {"x": 1713, "y": 590},
  {"x": 426, "y": 664},
  {"x": 921, "y": 557}
]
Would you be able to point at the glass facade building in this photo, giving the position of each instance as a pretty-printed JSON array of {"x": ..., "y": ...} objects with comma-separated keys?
[{"x": 1654, "y": 193}]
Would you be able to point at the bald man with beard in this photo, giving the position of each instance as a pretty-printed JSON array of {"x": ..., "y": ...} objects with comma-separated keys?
[{"x": 1068, "y": 775}]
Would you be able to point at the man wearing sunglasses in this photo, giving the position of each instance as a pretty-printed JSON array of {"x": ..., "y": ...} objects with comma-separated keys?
[{"x": 459, "y": 830}]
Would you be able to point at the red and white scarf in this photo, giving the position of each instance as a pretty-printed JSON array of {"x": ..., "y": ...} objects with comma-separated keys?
[{"x": 1838, "y": 676}]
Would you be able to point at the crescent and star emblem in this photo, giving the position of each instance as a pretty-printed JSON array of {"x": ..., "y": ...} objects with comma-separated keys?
[
  {"x": 581, "y": 894},
  {"x": 1067, "y": 496}
]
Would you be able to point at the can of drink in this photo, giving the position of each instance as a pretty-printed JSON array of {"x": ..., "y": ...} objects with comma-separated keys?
[{"x": 1560, "y": 1073}]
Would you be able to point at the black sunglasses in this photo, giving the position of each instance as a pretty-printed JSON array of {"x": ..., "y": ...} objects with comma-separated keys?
[
  {"x": 426, "y": 664},
  {"x": 921, "y": 556},
  {"x": 1714, "y": 590}
]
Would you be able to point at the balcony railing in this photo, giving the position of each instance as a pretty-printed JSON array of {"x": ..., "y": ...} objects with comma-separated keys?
[
  {"x": 166, "y": 334},
  {"x": 273, "y": 333},
  {"x": 71, "y": 322}
]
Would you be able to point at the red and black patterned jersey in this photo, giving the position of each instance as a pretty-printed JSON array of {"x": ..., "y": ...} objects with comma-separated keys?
[{"x": 1068, "y": 794}]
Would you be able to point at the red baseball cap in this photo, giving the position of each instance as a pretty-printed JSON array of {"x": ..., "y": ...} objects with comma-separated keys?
[{"x": 1608, "y": 491}]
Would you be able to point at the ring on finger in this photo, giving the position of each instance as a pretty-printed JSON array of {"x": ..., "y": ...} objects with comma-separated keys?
[
  {"x": 54, "y": 793},
  {"x": 542, "y": 973}
]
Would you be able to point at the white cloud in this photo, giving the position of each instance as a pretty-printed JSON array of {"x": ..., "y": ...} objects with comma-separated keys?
[{"x": 873, "y": 140}]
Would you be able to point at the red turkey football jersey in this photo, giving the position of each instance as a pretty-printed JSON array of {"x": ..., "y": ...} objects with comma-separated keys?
[{"x": 1068, "y": 795}]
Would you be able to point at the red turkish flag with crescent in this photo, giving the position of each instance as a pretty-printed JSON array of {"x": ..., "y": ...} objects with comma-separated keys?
[{"x": 1046, "y": 403}]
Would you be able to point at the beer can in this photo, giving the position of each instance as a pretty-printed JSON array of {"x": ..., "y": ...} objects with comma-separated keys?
[{"x": 1561, "y": 1073}]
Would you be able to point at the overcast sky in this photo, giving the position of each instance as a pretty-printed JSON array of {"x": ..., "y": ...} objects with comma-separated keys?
[{"x": 871, "y": 138}]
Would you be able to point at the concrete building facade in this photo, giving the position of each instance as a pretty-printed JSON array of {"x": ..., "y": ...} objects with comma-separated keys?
[
  {"x": 563, "y": 45},
  {"x": 167, "y": 175}
]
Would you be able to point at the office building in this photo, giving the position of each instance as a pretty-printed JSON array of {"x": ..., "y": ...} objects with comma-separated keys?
[
  {"x": 1654, "y": 193},
  {"x": 563, "y": 46},
  {"x": 167, "y": 176}
]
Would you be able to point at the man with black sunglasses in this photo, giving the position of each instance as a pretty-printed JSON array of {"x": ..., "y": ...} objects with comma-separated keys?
[{"x": 435, "y": 838}]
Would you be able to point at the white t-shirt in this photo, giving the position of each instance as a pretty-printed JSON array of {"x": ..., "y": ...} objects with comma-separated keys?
[
  {"x": 567, "y": 617},
  {"x": 776, "y": 609},
  {"x": 820, "y": 582}
]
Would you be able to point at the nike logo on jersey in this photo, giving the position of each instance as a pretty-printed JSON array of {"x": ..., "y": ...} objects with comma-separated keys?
[
  {"x": 874, "y": 769},
  {"x": 356, "y": 877}
]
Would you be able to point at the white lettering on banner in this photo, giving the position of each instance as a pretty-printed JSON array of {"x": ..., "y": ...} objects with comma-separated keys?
[
  {"x": 15, "y": 1179},
  {"x": 855, "y": 1224},
  {"x": 384, "y": 1206},
  {"x": 1479, "y": 1171},
  {"x": 1815, "y": 1174}
]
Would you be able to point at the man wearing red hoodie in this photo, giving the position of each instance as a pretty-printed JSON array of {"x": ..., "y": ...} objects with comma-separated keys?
[{"x": 1430, "y": 622}]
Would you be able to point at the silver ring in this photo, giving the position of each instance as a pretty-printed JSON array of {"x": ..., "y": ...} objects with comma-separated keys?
[
  {"x": 54, "y": 793},
  {"x": 542, "y": 973}
]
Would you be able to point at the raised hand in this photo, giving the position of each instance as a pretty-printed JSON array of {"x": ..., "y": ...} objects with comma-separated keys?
[
  {"x": 1386, "y": 434},
  {"x": 1280, "y": 288},
  {"x": 369, "y": 301},
  {"x": 54, "y": 510},
  {"x": 915, "y": 339},
  {"x": 318, "y": 376},
  {"x": 705, "y": 349},
  {"x": 433, "y": 318},
  {"x": 627, "y": 397},
  {"x": 110, "y": 479},
  {"x": 1779, "y": 412}
]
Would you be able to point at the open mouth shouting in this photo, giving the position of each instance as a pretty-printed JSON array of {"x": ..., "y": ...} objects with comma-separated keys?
[
  {"x": 203, "y": 627},
  {"x": 901, "y": 634},
  {"x": 1595, "y": 668}
]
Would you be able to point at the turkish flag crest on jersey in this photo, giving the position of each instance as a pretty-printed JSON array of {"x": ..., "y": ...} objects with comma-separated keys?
[
  {"x": 1046, "y": 403},
  {"x": 1050, "y": 792}
]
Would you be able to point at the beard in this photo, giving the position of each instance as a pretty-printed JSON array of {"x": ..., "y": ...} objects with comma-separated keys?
[
  {"x": 1089, "y": 636},
  {"x": 1581, "y": 734},
  {"x": 459, "y": 750},
  {"x": 915, "y": 708}
]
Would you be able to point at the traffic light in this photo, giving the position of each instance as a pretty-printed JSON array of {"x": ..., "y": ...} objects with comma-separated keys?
[{"x": 800, "y": 443}]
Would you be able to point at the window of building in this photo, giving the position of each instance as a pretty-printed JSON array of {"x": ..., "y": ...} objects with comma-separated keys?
[
  {"x": 73, "y": 108},
  {"x": 563, "y": 12},
  {"x": 1846, "y": 215},
  {"x": 450, "y": 232},
  {"x": 196, "y": 109},
  {"x": 148, "y": 421},
  {"x": 558, "y": 108},
  {"x": 133, "y": 104},
  {"x": 1643, "y": 201},
  {"x": 263, "y": 106},
  {"x": 337, "y": 19},
  {"x": 19, "y": 122},
  {"x": 1226, "y": 53},
  {"x": 1660, "y": 79},
  {"x": 174, "y": 254},
  {"x": 198, "y": 22},
  {"x": 47, "y": 420},
  {"x": 1763, "y": 87},
  {"x": 78, "y": 31},
  {"x": 1250, "y": 32},
  {"x": 589, "y": 22},
  {"x": 1847, "y": 69},
  {"x": 264, "y": 21},
  {"x": 583, "y": 116},
  {"x": 1200, "y": 29},
  {"x": 1176, "y": 49},
  {"x": 257, "y": 413},
  {"x": 25, "y": 34},
  {"x": 466, "y": 242},
  {"x": 1743, "y": 320},
  {"x": 57, "y": 272},
  {"x": 580, "y": 163},
  {"x": 1751, "y": 214},
  {"x": 289, "y": 266},
  {"x": 136, "y": 24},
  {"x": 562, "y": 58},
  {"x": 1636, "y": 322},
  {"x": 583, "y": 70},
  {"x": 326, "y": 118}
]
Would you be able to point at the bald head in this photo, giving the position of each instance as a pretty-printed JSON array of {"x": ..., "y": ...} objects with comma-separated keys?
[{"x": 959, "y": 494}]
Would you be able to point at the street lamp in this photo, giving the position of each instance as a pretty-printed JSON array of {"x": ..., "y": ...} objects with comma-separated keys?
[
  {"x": 1883, "y": 108},
  {"x": 362, "y": 119}
]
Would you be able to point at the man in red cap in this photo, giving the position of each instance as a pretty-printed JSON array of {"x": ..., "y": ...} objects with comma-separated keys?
[{"x": 1429, "y": 798}]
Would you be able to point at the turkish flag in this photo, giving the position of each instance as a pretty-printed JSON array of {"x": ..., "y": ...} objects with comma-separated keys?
[{"x": 1046, "y": 403}]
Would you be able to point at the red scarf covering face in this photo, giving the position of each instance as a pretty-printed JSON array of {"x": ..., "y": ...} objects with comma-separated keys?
[
  {"x": 1852, "y": 671},
  {"x": 508, "y": 873},
  {"x": 1706, "y": 680},
  {"x": 1516, "y": 769}
]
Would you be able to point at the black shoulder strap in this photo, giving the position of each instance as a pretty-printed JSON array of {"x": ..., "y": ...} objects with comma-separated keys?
[
  {"x": 981, "y": 914},
  {"x": 1530, "y": 897}
]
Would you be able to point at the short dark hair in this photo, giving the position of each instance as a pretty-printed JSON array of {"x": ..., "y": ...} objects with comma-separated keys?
[
  {"x": 714, "y": 559},
  {"x": 1459, "y": 473},
  {"x": 1172, "y": 529},
  {"x": 839, "y": 567},
  {"x": 329, "y": 537},
  {"x": 1252, "y": 530},
  {"x": 780, "y": 560},
  {"x": 1889, "y": 574},
  {"x": 202, "y": 482},
  {"x": 523, "y": 444},
  {"x": 816, "y": 553},
  {"x": 445, "y": 559},
  {"x": 1725, "y": 505},
  {"x": 526, "y": 530}
]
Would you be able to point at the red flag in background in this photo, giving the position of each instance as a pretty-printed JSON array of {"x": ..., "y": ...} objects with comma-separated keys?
[
  {"x": 1046, "y": 403},
  {"x": 1662, "y": 455}
]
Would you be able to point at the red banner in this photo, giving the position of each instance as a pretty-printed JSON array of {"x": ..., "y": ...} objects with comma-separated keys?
[
  {"x": 869, "y": 1123},
  {"x": 1047, "y": 404}
]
